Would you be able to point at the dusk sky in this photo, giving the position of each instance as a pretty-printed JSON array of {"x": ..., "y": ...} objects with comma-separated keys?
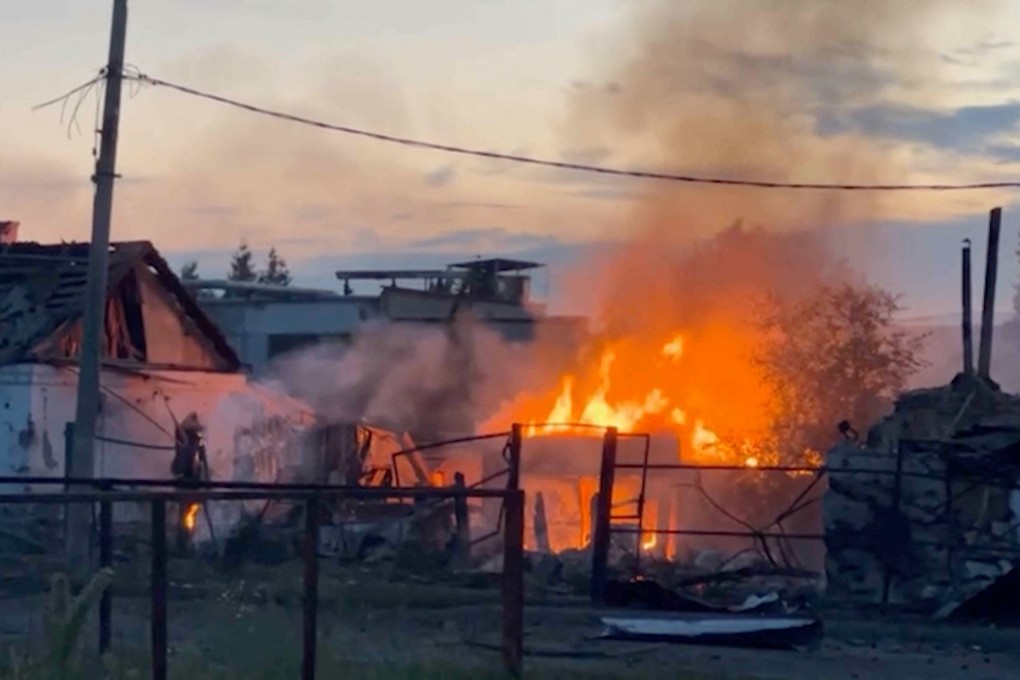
[{"x": 932, "y": 96}]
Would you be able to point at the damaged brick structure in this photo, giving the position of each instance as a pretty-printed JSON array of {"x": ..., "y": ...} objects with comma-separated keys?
[{"x": 926, "y": 513}]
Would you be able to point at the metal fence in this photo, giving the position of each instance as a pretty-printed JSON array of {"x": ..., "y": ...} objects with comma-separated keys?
[
  {"x": 606, "y": 523},
  {"x": 105, "y": 493}
]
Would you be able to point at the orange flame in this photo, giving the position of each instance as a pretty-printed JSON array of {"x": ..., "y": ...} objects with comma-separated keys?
[
  {"x": 190, "y": 515},
  {"x": 649, "y": 530},
  {"x": 654, "y": 410},
  {"x": 674, "y": 349}
]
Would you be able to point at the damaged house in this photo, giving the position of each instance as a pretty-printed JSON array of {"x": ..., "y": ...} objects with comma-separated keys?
[{"x": 162, "y": 361}]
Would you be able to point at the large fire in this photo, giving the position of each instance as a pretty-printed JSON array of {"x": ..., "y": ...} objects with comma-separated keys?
[
  {"x": 700, "y": 390},
  {"x": 654, "y": 407}
]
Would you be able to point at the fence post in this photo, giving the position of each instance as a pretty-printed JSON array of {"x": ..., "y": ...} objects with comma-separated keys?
[
  {"x": 514, "y": 461},
  {"x": 105, "y": 560},
  {"x": 158, "y": 586},
  {"x": 310, "y": 551},
  {"x": 462, "y": 554},
  {"x": 513, "y": 584},
  {"x": 601, "y": 534},
  {"x": 68, "y": 454}
]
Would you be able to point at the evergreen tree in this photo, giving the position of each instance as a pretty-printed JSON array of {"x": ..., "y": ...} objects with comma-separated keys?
[
  {"x": 189, "y": 272},
  {"x": 241, "y": 265},
  {"x": 276, "y": 272}
]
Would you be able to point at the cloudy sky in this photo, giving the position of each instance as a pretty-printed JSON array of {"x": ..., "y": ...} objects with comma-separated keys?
[{"x": 893, "y": 91}]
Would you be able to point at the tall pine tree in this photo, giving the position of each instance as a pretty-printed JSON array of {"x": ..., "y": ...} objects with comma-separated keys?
[
  {"x": 242, "y": 267},
  {"x": 276, "y": 272}
]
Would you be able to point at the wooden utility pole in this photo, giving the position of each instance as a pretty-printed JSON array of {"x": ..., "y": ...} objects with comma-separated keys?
[
  {"x": 988, "y": 308},
  {"x": 82, "y": 461}
]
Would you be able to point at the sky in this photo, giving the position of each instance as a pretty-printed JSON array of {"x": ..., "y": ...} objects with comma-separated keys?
[{"x": 704, "y": 87}]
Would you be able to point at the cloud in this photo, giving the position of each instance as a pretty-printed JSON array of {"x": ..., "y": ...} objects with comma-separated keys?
[
  {"x": 440, "y": 177},
  {"x": 457, "y": 205},
  {"x": 215, "y": 211},
  {"x": 494, "y": 240},
  {"x": 968, "y": 129},
  {"x": 779, "y": 103}
]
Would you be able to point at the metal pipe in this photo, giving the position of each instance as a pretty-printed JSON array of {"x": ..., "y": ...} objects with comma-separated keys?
[
  {"x": 988, "y": 308},
  {"x": 968, "y": 323}
]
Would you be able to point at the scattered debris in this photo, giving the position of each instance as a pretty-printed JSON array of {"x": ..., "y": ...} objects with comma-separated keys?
[
  {"x": 718, "y": 629},
  {"x": 650, "y": 595}
]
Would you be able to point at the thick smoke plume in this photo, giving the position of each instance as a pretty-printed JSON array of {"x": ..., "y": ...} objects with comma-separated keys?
[
  {"x": 757, "y": 88},
  {"x": 432, "y": 381},
  {"x": 741, "y": 87}
]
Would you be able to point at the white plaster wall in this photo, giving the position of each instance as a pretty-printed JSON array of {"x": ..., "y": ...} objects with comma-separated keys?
[
  {"x": 17, "y": 430},
  {"x": 252, "y": 433}
]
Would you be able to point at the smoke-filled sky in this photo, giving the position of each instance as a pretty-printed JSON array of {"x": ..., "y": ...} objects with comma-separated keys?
[{"x": 866, "y": 91}]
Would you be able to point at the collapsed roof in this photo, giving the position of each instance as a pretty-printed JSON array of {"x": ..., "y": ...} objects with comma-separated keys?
[{"x": 42, "y": 300}]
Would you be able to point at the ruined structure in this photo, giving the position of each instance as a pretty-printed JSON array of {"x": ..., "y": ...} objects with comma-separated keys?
[
  {"x": 927, "y": 512},
  {"x": 163, "y": 359}
]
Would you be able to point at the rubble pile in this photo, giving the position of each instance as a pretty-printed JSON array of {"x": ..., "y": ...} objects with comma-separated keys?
[{"x": 926, "y": 512}]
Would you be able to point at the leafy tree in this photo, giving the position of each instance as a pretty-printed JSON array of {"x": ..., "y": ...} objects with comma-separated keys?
[
  {"x": 276, "y": 272},
  {"x": 241, "y": 265},
  {"x": 189, "y": 272},
  {"x": 834, "y": 355}
]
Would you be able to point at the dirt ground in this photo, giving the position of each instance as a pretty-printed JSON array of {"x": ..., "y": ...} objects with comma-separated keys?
[{"x": 253, "y": 620}]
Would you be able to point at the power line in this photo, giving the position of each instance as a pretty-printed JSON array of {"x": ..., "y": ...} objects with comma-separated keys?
[{"x": 562, "y": 165}]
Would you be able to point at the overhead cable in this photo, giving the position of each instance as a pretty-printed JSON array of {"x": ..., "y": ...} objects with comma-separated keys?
[{"x": 562, "y": 165}]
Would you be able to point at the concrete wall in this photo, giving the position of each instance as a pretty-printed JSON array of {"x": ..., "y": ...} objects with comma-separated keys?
[
  {"x": 18, "y": 431},
  {"x": 249, "y": 325}
]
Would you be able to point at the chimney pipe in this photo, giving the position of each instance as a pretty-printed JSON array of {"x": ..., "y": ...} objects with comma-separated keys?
[
  {"x": 988, "y": 309},
  {"x": 8, "y": 232},
  {"x": 968, "y": 323}
]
